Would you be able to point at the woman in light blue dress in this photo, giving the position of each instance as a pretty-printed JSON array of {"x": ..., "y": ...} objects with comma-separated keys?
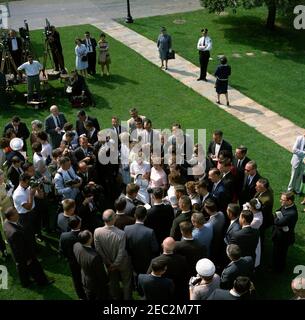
[
  {"x": 164, "y": 44},
  {"x": 81, "y": 52}
]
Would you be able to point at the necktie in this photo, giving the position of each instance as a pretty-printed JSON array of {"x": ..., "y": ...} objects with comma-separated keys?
[
  {"x": 16, "y": 129},
  {"x": 248, "y": 180},
  {"x": 203, "y": 42},
  {"x": 19, "y": 171},
  {"x": 58, "y": 121},
  {"x": 238, "y": 164}
]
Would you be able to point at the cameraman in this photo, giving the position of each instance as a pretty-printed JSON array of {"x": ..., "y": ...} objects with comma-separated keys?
[
  {"x": 15, "y": 48},
  {"x": 67, "y": 182},
  {"x": 53, "y": 39}
]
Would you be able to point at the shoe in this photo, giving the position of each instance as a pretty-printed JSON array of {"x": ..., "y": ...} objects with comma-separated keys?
[
  {"x": 228, "y": 104},
  {"x": 165, "y": 68},
  {"x": 200, "y": 79},
  {"x": 217, "y": 101},
  {"x": 205, "y": 79}
]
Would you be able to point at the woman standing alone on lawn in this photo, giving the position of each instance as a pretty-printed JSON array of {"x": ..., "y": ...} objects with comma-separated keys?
[
  {"x": 104, "y": 57},
  {"x": 164, "y": 44},
  {"x": 222, "y": 74}
]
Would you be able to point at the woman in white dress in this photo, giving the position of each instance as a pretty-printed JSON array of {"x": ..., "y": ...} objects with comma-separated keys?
[{"x": 81, "y": 61}]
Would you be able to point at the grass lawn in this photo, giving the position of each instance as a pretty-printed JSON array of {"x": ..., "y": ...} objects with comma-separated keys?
[
  {"x": 136, "y": 82},
  {"x": 273, "y": 76}
]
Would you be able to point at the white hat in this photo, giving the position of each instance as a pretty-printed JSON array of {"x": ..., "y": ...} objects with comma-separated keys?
[
  {"x": 205, "y": 267},
  {"x": 16, "y": 144}
]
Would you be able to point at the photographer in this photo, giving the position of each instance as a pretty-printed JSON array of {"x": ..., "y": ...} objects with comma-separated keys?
[
  {"x": 53, "y": 39},
  {"x": 66, "y": 181},
  {"x": 15, "y": 47}
]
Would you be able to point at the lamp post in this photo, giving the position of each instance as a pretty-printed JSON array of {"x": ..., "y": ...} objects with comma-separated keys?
[{"x": 129, "y": 17}]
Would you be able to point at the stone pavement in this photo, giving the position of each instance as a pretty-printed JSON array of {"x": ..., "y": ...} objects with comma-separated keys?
[{"x": 270, "y": 124}]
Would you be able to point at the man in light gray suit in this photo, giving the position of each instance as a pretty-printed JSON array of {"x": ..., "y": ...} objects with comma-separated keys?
[
  {"x": 110, "y": 243},
  {"x": 297, "y": 164},
  {"x": 54, "y": 124}
]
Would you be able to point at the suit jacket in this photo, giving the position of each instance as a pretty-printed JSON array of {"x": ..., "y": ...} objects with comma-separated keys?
[
  {"x": 178, "y": 271},
  {"x": 19, "y": 43},
  {"x": 229, "y": 183},
  {"x": 175, "y": 230},
  {"x": 220, "y": 196},
  {"x": 92, "y": 138},
  {"x": 62, "y": 223},
  {"x": 94, "y": 277},
  {"x": 155, "y": 288},
  {"x": 160, "y": 219},
  {"x": 93, "y": 43},
  {"x": 248, "y": 191},
  {"x": 193, "y": 251},
  {"x": 20, "y": 241},
  {"x": 240, "y": 172},
  {"x": 50, "y": 125},
  {"x": 141, "y": 245},
  {"x": 123, "y": 220},
  {"x": 79, "y": 153},
  {"x": 224, "y": 146},
  {"x": 289, "y": 219},
  {"x": 267, "y": 201},
  {"x": 242, "y": 267},
  {"x": 247, "y": 239},
  {"x": 66, "y": 243},
  {"x": 298, "y": 152},
  {"x": 13, "y": 175},
  {"x": 80, "y": 128},
  {"x": 220, "y": 294},
  {"x": 23, "y": 132},
  {"x": 235, "y": 226}
]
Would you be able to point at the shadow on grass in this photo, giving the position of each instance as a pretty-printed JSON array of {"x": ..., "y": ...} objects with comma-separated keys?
[
  {"x": 183, "y": 73},
  {"x": 285, "y": 43}
]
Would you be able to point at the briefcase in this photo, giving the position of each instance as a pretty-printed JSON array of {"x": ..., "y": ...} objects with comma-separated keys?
[{"x": 171, "y": 55}]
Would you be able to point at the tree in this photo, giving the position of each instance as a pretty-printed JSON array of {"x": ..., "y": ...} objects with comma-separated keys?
[{"x": 274, "y": 6}]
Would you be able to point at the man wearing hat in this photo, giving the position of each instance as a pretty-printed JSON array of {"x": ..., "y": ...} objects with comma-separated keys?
[
  {"x": 205, "y": 282},
  {"x": 204, "y": 46}
]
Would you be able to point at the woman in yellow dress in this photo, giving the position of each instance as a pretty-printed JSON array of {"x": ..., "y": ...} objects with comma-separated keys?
[{"x": 104, "y": 57}]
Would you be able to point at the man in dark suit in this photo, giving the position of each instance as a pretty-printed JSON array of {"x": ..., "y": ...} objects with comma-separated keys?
[
  {"x": 54, "y": 125},
  {"x": 177, "y": 269},
  {"x": 246, "y": 238},
  {"x": 80, "y": 123},
  {"x": 14, "y": 171},
  {"x": 91, "y": 132},
  {"x": 233, "y": 212},
  {"x": 84, "y": 152},
  {"x": 283, "y": 234},
  {"x": 160, "y": 216},
  {"x": 23, "y": 249},
  {"x": 251, "y": 177},
  {"x": 122, "y": 219},
  {"x": 201, "y": 188},
  {"x": 90, "y": 44},
  {"x": 94, "y": 276},
  {"x": 218, "y": 190},
  {"x": 20, "y": 130},
  {"x": 66, "y": 243},
  {"x": 64, "y": 217},
  {"x": 242, "y": 290},
  {"x": 217, "y": 145},
  {"x": 154, "y": 286},
  {"x": 238, "y": 266},
  {"x": 86, "y": 173},
  {"x": 185, "y": 205},
  {"x": 228, "y": 179},
  {"x": 239, "y": 162},
  {"x": 141, "y": 242},
  {"x": 264, "y": 194},
  {"x": 190, "y": 248},
  {"x": 15, "y": 48}
]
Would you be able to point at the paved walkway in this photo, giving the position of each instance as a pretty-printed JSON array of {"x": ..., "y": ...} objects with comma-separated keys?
[{"x": 267, "y": 122}]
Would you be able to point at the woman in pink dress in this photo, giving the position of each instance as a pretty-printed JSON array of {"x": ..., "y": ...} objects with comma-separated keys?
[{"x": 158, "y": 177}]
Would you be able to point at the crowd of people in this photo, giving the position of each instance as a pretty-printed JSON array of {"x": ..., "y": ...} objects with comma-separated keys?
[{"x": 140, "y": 209}]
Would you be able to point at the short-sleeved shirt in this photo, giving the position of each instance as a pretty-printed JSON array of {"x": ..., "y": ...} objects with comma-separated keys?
[
  {"x": 20, "y": 197},
  {"x": 31, "y": 69}
]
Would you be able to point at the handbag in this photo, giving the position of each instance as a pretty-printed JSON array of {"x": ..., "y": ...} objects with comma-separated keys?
[
  {"x": 84, "y": 58},
  {"x": 171, "y": 55}
]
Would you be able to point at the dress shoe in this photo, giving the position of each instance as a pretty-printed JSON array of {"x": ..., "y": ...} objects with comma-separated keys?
[{"x": 200, "y": 79}]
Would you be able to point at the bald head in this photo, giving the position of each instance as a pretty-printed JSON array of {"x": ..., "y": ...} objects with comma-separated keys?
[
  {"x": 298, "y": 287},
  {"x": 168, "y": 245},
  {"x": 54, "y": 110},
  {"x": 108, "y": 217}
]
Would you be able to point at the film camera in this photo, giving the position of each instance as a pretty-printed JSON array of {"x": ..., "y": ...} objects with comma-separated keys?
[
  {"x": 71, "y": 183},
  {"x": 24, "y": 32},
  {"x": 36, "y": 182},
  {"x": 4, "y": 40}
]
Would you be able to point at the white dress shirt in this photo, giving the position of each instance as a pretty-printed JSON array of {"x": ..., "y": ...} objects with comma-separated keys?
[
  {"x": 204, "y": 44},
  {"x": 21, "y": 197},
  {"x": 31, "y": 69}
]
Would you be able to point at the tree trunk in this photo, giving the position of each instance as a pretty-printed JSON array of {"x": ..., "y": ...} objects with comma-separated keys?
[{"x": 271, "y": 15}]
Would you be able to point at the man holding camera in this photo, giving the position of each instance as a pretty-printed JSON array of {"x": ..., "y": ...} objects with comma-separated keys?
[
  {"x": 67, "y": 182},
  {"x": 15, "y": 47},
  {"x": 53, "y": 38}
]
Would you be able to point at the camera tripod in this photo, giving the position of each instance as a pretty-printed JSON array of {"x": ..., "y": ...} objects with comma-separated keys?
[{"x": 7, "y": 65}]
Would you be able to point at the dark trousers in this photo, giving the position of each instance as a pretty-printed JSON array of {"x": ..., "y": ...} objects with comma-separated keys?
[
  {"x": 17, "y": 57},
  {"x": 41, "y": 215},
  {"x": 2, "y": 244},
  {"x": 91, "y": 62},
  {"x": 33, "y": 270},
  {"x": 279, "y": 254},
  {"x": 77, "y": 279},
  {"x": 58, "y": 59},
  {"x": 204, "y": 57},
  {"x": 33, "y": 82}
]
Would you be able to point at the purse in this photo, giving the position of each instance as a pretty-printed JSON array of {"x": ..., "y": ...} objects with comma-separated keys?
[
  {"x": 84, "y": 58},
  {"x": 171, "y": 55}
]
